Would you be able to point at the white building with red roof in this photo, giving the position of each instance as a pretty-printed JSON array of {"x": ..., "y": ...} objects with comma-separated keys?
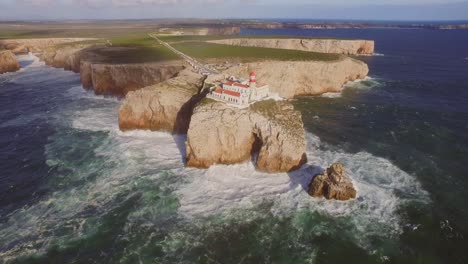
[{"x": 240, "y": 93}]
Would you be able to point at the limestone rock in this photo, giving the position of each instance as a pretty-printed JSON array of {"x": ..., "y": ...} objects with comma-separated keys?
[
  {"x": 349, "y": 47},
  {"x": 166, "y": 106},
  {"x": 296, "y": 78},
  {"x": 8, "y": 62},
  {"x": 104, "y": 76},
  {"x": 22, "y": 46},
  {"x": 332, "y": 184},
  {"x": 223, "y": 134},
  {"x": 119, "y": 79}
]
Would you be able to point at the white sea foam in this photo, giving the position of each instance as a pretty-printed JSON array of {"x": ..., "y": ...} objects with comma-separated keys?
[
  {"x": 331, "y": 95},
  {"x": 30, "y": 60},
  {"x": 377, "y": 180}
]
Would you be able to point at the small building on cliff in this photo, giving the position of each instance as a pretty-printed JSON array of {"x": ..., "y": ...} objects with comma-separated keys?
[{"x": 240, "y": 93}]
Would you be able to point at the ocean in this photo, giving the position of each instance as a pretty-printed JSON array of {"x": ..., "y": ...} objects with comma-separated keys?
[{"x": 75, "y": 189}]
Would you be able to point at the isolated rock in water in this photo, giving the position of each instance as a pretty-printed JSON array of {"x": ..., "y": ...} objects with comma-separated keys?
[
  {"x": 166, "y": 106},
  {"x": 332, "y": 184},
  {"x": 223, "y": 134},
  {"x": 8, "y": 62}
]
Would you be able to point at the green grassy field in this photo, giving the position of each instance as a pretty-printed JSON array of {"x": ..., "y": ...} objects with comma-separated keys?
[
  {"x": 206, "y": 51},
  {"x": 123, "y": 55},
  {"x": 66, "y": 31},
  {"x": 129, "y": 48}
]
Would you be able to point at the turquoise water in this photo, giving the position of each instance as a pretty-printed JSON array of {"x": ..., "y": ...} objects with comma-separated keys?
[{"x": 77, "y": 190}]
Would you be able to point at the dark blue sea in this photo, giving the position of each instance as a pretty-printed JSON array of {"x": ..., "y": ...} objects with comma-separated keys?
[{"x": 74, "y": 189}]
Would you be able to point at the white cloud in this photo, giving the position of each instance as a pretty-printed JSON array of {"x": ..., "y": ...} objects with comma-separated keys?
[
  {"x": 36, "y": 2},
  {"x": 162, "y": 2}
]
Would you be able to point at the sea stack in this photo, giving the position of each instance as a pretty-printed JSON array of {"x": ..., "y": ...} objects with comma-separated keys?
[
  {"x": 332, "y": 184},
  {"x": 8, "y": 62}
]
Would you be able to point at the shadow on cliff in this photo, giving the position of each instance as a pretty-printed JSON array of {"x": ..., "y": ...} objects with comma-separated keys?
[
  {"x": 304, "y": 175},
  {"x": 180, "y": 140},
  {"x": 182, "y": 123}
]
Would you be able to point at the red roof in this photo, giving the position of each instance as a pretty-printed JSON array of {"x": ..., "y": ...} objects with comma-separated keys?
[
  {"x": 218, "y": 90},
  {"x": 252, "y": 74},
  {"x": 236, "y": 94},
  {"x": 236, "y": 84}
]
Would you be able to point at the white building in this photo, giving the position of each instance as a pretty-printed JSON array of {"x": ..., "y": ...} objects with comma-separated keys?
[{"x": 240, "y": 93}]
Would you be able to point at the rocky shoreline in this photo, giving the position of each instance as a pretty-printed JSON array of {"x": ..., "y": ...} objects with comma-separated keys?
[
  {"x": 8, "y": 62},
  {"x": 169, "y": 96}
]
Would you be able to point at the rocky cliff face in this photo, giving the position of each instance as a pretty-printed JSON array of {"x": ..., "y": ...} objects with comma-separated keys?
[
  {"x": 223, "y": 134},
  {"x": 349, "y": 47},
  {"x": 222, "y": 31},
  {"x": 22, "y": 46},
  {"x": 166, "y": 106},
  {"x": 103, "y": 76},
  {"x": 296, "y": 78},
  {"x": 8, "y": 62},
  {"x": 68, "y": 58},
  {"x": 119, "y": 79}
]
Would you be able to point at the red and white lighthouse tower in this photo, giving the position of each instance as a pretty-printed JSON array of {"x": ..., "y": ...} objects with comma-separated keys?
[{"x": 253, "y": 80}]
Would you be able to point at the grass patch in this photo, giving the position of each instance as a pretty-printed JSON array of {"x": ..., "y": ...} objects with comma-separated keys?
[
  {"x": 124, "y": 55},
  {"x": 130, "y": 48},
  {"x": 140, "y": 40},
  {"x": 206, "y": 101},
  {"x": 67, "y": 31},
  {"x": 203, "y": 50},
  {"x": 266, "y": 107},
  {"x": 185, "y": 38}
]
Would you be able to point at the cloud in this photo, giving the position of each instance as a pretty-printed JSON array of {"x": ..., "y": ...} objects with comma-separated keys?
[
  {"x": 163, "y": 2},
  {"x": 36, "y": 2}
]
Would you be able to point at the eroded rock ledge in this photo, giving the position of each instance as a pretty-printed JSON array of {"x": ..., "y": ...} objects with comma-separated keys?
[
  {"x": 223, "y": 134},
  {"x": 348, "y": 47},
  {"x": 295, "y": 78},
  {"x": 8, "y": 62},
  {"x": 166, "y": 106}
]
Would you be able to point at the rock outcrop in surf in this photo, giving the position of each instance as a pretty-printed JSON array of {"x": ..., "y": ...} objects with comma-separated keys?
[
  {"x": 8, "y": 62},
  {"x": 332, "y": 184},
  {"x": 270, "y": 133}
]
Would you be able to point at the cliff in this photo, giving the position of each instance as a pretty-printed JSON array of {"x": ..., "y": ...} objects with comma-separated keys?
[
  {"x": 119, "y": 79},
  {"x": 349, "y": 47},
  {"x": 296, "y": 78},
  {"x": 223, "y": 134},
  {"x": 22, "y": 46},
  {"x": 8, "y": 62},
  {"x": 166, "y": 106},
  {"x": 99, "y": 72}
]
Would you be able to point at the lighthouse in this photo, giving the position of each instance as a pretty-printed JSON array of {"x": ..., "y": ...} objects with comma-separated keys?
[{"x": 253, "y": 80}]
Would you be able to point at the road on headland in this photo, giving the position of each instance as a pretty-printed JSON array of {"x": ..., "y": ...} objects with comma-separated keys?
[{"x": 199, "y": 67}]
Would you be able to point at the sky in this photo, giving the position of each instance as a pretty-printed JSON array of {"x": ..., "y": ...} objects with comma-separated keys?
[{"x": 304, "y": 9}]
